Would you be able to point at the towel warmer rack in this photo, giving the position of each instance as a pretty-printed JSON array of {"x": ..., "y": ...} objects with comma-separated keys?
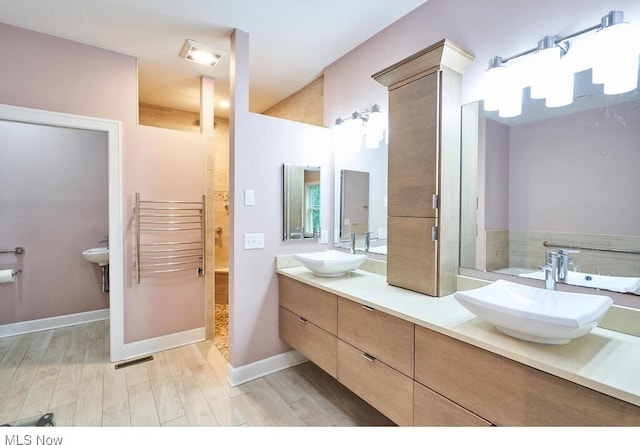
[{"x": 170, "y": 236}]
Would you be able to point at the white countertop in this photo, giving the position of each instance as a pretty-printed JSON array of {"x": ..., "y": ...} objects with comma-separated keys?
[{"x": 604, "y": 360}]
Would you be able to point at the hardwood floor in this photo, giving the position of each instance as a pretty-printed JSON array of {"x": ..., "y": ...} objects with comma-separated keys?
[{"x": 67, "y": 371}]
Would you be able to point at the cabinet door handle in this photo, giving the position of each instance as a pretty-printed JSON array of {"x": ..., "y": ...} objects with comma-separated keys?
[
  {"x": 368, "y": 357},
  {"x": 302, "y": 320},
  {"x": 367, "y": 308}
]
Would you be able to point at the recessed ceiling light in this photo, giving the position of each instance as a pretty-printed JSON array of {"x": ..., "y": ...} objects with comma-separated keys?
[{"x": 199, "y": 53}]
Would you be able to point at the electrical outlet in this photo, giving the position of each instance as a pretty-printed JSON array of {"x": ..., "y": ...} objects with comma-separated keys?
[{"x": 253, "y": 241}]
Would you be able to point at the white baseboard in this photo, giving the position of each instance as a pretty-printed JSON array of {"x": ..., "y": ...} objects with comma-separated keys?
[
  {"x": 151, "y": 345},
  {"x": 44, "y": 324},
  {"x": 255, "y": 370}
]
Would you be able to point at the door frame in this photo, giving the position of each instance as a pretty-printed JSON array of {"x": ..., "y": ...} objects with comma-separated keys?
[{"x": 116, "y": 234}]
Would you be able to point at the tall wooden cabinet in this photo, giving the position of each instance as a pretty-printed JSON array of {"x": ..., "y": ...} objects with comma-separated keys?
[{"x": 424, "y": 168}]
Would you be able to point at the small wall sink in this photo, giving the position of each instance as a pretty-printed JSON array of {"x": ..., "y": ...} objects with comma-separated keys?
[
  {"x": 330, "y": 263},
  {"x": 99, "y": 255},
  {"x": 536, "y": 315},
  {"x": 609, "y": 282}
]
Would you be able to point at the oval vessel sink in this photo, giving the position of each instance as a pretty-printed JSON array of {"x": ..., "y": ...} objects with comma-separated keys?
[
  {"x": 99, "y": 255},
  {"x": 330, "y": 263},
  {"x": 537, "y": 315}
]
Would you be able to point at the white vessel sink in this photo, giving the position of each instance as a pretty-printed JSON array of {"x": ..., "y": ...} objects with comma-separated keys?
[
  {"x": 612, "y": 283},
  {"x": 330, "y": 263},
  {"x": 537, "y": 315},
  {"x": 99, "y": 255}
]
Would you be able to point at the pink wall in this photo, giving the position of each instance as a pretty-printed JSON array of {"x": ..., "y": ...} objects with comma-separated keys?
[
  {"x": 256, "y": 164},
  {"x": 496, "y": 176},
  {"x": 53, "y": 202},
  {"x": 48, "y": 73},
  {"x": 161, "y": 165},
  {"x": 586, "y": 164}
]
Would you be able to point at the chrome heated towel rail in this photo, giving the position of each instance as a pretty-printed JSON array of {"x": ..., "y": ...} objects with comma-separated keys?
[{"x": 170, "y": 236}]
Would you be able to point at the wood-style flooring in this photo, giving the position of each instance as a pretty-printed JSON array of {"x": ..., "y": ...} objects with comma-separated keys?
[{"x": 67, "y": 371}]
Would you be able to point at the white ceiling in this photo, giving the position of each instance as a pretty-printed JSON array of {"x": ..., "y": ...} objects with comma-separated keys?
[{"x": 291, "y": 41}]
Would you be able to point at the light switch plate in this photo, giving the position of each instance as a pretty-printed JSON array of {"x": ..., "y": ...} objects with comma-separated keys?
[
  {"x": 253, "y": 241},
  {"x": 249, "y": 197}
]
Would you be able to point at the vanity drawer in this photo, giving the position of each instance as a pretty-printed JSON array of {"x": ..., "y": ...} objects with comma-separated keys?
[
  {"x": 385, "y": 337},
  {"x": 431, "y": 409},
  {"x": 314, "y": 343},
  {"x": 384, "y": 388},
  {"x": 509, "y": 393},
  {"x": 311, "y": 303}
]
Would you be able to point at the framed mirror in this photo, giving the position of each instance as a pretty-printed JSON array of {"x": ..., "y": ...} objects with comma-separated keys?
[
  {"x": 301, "y": 202},
  {"x": 555, "y": 178}
]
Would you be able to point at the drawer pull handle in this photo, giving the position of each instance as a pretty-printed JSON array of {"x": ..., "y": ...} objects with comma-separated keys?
[
  {"x": 366, "y": 308},
  {"x": 302, "y": 320},
  {"x": 368, "y": 357}
]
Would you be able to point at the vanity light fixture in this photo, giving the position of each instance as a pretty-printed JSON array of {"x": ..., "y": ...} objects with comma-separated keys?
[
  {"x": 199, "y": 53},
  {"x": 369, "y": 124},
  {"x": 611, "y": 51}
]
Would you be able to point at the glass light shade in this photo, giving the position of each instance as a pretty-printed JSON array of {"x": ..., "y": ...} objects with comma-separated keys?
[
  {"x": 354, "y": 132},
  {"x": 543, "y": 70},
  {"x": 560, "y": 90},
  {"x": 511, "y": 105},
  {"x": 494, "y": 79},
  {"x": 374, "y": 129},
  {"x": 338, "y": 136},
  {"x": 616, "y": 50}
]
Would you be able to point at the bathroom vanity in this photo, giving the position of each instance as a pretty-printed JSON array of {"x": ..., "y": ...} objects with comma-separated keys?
[{"x": 429, "y": 362}]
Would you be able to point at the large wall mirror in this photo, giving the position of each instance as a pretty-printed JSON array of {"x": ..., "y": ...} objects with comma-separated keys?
[
  {"x": 301, "y": 202},
  {"x": 555, "y": 178},
  {"x": 365, "y": 168}
]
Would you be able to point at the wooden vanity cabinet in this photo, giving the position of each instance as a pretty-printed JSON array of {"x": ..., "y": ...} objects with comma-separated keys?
[
  {"x": 308, "y": 322},
  {"x": 416, "y": 376},
  {"x": 424, "y": 167},
  {"x": 314, "y": 343},
  {"x": 508, "y": 393},
  {"x": 431, "y": 409},
  {"x": 387, "y": 338},
  {"x": 383, "y": 387},
  {"x": 313, "y": 304}
]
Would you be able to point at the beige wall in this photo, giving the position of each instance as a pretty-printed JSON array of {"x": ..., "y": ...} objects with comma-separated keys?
[{"x": 305, "y": 105}]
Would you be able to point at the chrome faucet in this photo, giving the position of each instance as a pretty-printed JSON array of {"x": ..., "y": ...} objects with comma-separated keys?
[
  {"x": 352, "y": 247},
  {"x": 563, "y": 263},
  {"x": 550, "y": 269}
]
